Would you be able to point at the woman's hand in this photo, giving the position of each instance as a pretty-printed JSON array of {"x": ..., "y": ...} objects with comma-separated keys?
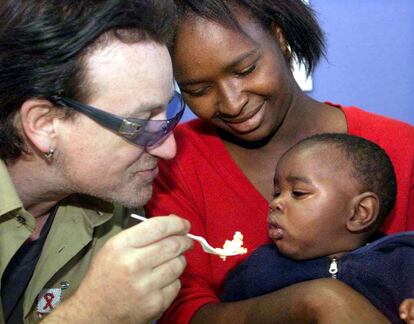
[{"x": 407, "y": 311}]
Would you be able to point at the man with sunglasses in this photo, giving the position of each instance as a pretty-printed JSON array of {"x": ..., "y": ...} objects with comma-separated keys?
[{"x": 87, "y": 108}]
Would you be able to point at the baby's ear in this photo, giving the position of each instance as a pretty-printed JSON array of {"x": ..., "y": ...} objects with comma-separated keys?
[{"x": 365, "y": 212}]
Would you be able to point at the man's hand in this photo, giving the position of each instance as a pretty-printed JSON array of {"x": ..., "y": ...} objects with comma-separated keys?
[{"x": 134, "y": 277}]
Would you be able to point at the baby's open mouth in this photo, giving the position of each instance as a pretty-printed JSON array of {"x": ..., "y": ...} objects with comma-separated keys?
[{"x": 275, "y": 232}]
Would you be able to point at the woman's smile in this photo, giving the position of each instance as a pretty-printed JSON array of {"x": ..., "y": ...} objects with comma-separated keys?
[{"x": 248, "y": 122}]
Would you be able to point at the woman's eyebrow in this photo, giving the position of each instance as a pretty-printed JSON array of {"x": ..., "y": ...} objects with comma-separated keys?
[
  {"x": 190, "y": 82},
  {"x": 229, "y": 66},
  {"x": 241, "y": 58}
]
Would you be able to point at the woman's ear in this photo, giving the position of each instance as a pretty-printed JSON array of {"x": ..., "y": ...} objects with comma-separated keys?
[
  {"x": 365, "y": 212},
  {"x": 283, "y": 43},
  {"x": 37, "y": 120}
]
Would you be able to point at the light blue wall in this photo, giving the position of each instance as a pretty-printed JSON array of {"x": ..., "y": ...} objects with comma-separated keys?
[{"x": 370, "y": 56}]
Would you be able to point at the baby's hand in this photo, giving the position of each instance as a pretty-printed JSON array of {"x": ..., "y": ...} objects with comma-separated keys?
[{"x": 407, "y": 310}]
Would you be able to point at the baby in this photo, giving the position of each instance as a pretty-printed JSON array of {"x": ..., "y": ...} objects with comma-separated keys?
[{"x": 331, "y": 194}]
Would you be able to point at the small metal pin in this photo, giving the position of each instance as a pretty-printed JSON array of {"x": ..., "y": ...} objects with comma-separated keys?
[
  {"x": 64, "y": 285},
  {"x": 21, "y": 219}
]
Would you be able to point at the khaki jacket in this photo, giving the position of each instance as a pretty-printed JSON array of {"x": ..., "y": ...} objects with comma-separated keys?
[{"x": 80, "y": 228}]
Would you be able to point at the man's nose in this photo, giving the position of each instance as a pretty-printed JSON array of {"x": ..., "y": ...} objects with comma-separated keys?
[{"x": 165, "y": 150}]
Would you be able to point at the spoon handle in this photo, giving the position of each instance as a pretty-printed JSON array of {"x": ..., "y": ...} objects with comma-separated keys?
[{"x": 139, "y": 217}]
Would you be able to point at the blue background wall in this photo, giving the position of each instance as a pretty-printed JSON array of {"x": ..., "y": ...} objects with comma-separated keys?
[{"x": 370, "y": 56}]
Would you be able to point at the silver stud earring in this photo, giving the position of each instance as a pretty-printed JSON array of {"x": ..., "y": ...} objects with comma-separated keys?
[{"x": 49, "y": 154}]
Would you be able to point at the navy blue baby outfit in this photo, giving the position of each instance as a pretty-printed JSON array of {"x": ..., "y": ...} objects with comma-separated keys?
[{"x": 382, "y": 271}]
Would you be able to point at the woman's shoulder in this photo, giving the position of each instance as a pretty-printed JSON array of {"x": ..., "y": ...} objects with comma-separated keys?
[
  {"x": 365, "y": 122},
  {"x": 385, "y": 131}
]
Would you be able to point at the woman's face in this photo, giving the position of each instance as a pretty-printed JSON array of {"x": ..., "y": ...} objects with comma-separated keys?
[{"x": 240, "y": 82}]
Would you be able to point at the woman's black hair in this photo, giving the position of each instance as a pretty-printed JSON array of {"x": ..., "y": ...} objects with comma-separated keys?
[
  {"x": 295, "y": 18},
  {"x": 43, "y": 42}
]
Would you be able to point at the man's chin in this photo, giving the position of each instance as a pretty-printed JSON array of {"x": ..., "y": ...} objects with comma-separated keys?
[{"x": 136, "y": 198}]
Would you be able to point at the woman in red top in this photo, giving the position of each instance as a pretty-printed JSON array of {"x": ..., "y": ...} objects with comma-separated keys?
[{"x": 233, "y": 64}]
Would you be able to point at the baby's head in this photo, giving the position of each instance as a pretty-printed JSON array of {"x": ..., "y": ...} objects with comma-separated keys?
[{"x": 331, "y": 192}]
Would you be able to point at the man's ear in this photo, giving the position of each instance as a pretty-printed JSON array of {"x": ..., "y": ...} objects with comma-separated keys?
[
  {"x": 283, "y": 43},
  {"x": 37, "y": 119},
  {"x": 365, "y": 212}
]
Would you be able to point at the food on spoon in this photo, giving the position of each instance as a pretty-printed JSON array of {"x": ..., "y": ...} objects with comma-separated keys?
[{"x": 233, "y": 247}]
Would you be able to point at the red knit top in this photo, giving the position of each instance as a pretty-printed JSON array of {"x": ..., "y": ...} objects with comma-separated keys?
[{"x": 204, "y": 185}]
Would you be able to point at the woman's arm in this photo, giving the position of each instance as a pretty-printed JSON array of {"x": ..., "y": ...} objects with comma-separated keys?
[{"x": 317, "y": 301}]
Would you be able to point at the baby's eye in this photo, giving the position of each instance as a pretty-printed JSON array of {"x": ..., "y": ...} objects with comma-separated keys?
[
  {"x": 276, "y": 193},
  {"x": 299, "y": 194}
]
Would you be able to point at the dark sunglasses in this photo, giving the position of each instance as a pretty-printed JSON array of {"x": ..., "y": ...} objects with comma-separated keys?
[{"x": 141, "y": 132}]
